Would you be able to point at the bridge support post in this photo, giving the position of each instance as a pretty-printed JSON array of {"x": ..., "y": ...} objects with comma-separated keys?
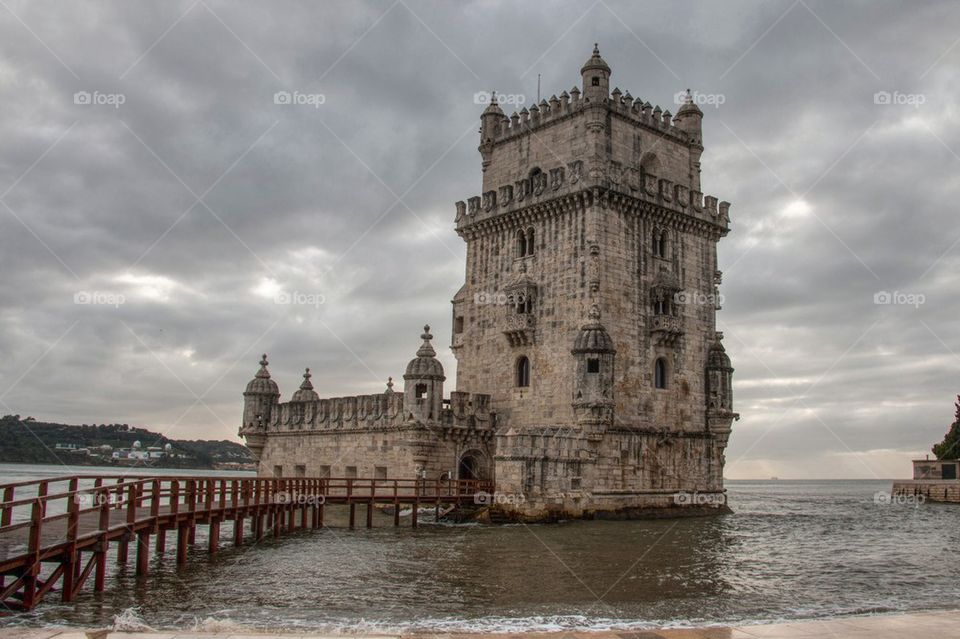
[
  {"x": 183, "y": 540},
  {"x": 213, "y": 544},
  {"x": 161, "y": 543},
  {"x": 320, "y": 509},
  {"x": 143, "y": 552},
  {"x": 370, "y": 514},
  {"x": 238, "y": 530},
  {"x": 72, "y": 561},
  {"x": 416, "y": 512},
  {"x": 353, "y": 514}
]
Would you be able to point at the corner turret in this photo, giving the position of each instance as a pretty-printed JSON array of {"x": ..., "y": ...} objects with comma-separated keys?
[
  {"x": 596, "y": 77},
  {"x": 490, "y": 122},
  {"x": 423, "y": 383},
  {"x": 259, "y": 402},
  {"x": 594, "y": 353}
]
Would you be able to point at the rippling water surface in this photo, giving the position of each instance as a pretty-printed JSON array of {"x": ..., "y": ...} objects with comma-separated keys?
[{"x": 792, "y": 549}]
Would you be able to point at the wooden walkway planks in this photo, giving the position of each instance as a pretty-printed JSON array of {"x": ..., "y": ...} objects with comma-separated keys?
[{"x": 55, "y": 533}]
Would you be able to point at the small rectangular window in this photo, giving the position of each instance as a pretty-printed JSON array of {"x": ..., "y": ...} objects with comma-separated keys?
[
  {"x": 380, "y": 472},
  {"x": 595, "y": 81},
  {"x": 458, "y": 324},
  {"x": 351, "y": 472},
  {"x": 299, "y": 470},
  {"x": 278, "y": 471},
  {"x": 324, "y": 472},
  {"x": 420, "y": 390},
  {"x": 593, "y": 365}
]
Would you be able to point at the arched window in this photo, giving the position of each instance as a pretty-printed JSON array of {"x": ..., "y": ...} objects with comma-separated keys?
[
  {"x": 521, "y": 244},
  {"x": 660, "y": 373},
  {"x": 530, "y": 243},
  {"x": 650, "y": 165},
  {"x": 523, "y": 372},
  {"x": 659, "y": 243}
]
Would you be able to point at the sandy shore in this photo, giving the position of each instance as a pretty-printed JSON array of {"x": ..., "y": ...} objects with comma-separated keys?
[{"x": 943, "y": 625}]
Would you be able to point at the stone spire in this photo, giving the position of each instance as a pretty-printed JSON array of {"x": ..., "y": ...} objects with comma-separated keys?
[
  {"x": 306, "y": 392},
  {"x": 261, "y": 383},
  {"x": 426, "y": 349}
]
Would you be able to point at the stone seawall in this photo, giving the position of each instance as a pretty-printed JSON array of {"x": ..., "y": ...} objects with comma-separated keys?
[{"x": 930, "y": 489}]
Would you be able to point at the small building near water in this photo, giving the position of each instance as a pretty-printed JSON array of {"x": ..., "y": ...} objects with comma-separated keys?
[{"x": 934, "y": 479}]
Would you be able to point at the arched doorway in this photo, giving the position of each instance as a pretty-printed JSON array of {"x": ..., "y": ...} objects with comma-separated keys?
[{"x": 472, "y": 465}]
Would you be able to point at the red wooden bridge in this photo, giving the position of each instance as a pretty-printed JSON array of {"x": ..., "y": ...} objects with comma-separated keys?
[{"x": 55, "y": 533}]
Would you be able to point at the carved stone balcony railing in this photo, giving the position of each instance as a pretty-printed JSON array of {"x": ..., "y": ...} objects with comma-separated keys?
[
  {"x": 519, "y": 328},
  {"x": 666, "y": 329}
]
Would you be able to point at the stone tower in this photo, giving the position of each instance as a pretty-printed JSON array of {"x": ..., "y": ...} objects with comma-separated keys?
[{"x": 588, "y": 308}]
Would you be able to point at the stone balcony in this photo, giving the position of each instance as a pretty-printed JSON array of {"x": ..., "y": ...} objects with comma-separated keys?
[
  {"x": 519, "y": 328},
  {"x": 666, "y": 329}
]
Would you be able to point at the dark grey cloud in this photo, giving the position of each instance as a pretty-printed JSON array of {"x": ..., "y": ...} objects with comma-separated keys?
[{"x": 199, "y": 199}]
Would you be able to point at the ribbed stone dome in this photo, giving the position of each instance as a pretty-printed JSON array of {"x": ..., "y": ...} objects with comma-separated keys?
[
  {"x": 595, "y": 62},
  {"x": 718, "y": 358},
  {"x": 262, "y": 384},
  {"x": 593, "y": 337},
  {"x": 306, "y": 392},
  {"x": 425, "y": 364}
]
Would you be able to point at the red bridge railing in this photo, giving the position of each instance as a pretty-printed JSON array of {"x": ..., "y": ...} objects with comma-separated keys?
[{"x": 47, "y": 525}]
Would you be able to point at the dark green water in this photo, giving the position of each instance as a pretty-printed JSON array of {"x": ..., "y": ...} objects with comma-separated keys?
[{"x": 793, "y": 549}]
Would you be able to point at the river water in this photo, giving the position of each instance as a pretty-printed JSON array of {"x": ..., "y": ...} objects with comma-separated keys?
[{"x": 791, "y": 550}]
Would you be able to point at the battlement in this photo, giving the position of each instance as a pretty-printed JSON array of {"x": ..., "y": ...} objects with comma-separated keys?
[
  {"x": 546, "y": 113},
  {"x": 379, "y": 411},
  {"x": 561, "y": 180}
]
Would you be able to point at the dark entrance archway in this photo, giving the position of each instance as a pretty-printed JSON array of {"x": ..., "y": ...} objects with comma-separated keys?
[{"x": 473, "y": 465}]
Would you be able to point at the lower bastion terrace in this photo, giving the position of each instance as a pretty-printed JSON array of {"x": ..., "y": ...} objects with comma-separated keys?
[{"x": 591, "y": 380}]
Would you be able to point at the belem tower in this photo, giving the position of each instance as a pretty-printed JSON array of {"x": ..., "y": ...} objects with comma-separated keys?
[{"x": 591, "y": 380}]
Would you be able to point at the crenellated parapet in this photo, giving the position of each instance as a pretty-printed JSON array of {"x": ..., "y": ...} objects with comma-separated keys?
[
  {"x": 558, "y": 181},
  {"x": 540, "y": 116}
]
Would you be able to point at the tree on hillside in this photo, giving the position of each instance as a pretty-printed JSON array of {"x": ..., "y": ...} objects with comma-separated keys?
[{"x": 949, "y": 448}]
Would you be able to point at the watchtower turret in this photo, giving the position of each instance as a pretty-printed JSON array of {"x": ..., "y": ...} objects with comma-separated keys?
[
  {"x": 423, "y": 383},
  {"x": 593, "y": 353},
  {"x": 596, "y": 77},
  {"x": 259, "y": 401}
]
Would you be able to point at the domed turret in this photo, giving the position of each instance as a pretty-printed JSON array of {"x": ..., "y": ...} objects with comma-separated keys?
[
  {"x": 306, "y": 392},
  {"x": 259, "y": 400},
  {"x": 719, "y": 379},
  {"x": 425, "y": 365},
  {"x": 594, "y": 353},
  {"x": 690, "y": 118},
  {"x": 596, "y": 77},
  {"x": 423, "y": 383},
  {"x": 262, "y": 383}
]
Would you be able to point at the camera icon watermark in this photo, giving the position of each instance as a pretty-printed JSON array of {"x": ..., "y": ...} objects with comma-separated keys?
[
  {"x": 897, "y": 98},
  {"x": 299, "y": 499},
  {"x": 96, "y": 98},
  {"x": 685, "y": 498},
  {"x": 503, "y": 99},
  {"x": 99, "y": 298},
  {"x": 700, "y": 99},
  {"x": 296, "y": 98},
  {"x": 899, "y": 298},
  {"x": 484, "y": 498},
  {"x": 484, "y": 298},
  {"x": 883, "y": 498},
  {"x": 298, "y": 298},
  {"x": 698, "y": 298}
]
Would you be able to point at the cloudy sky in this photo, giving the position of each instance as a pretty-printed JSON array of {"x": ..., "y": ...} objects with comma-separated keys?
[{"x": 155, "y": 201}]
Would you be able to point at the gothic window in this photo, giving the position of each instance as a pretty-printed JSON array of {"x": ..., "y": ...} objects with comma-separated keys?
[
  {"x": 523, "y": 372},
  {"x": 660, "y": 373},
  {"x": 530, "y": 243},
  {"x": 659, "y": 243},
  {"x": 521, "y": 244},
  {"x": 524, "y": 302},
  {"x": 593, "y": 365}
]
